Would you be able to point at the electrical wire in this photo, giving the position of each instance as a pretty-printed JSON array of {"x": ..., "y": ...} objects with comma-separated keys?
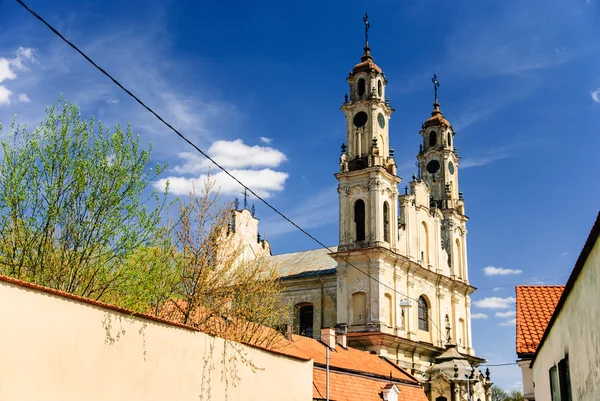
[
  {"x": 516, "y": 284},
  {"x": 273, "y": 208}
]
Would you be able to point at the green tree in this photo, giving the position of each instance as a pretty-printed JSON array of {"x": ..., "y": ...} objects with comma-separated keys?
[
  {"x": 498, "y": 394},
  {"x": 73, "y": 203}
]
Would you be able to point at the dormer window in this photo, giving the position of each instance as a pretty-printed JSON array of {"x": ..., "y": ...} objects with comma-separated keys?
[{"x": 360, "y": 89}]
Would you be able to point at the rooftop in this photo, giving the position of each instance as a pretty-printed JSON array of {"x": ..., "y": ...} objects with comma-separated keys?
[
  {"x": 535, "y": 306},
  {"x": 316, "y": 262}
]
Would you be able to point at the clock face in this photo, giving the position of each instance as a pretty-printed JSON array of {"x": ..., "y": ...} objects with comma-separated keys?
[
  {"x": 451, "y": 167},
  {"x": 433, "y": 166},
  {"x": 381, "y": 120},
  {"x": 360, "y": 119}
]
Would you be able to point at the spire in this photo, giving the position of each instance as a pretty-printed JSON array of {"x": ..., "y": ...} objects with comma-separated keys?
[
  {"x": 367, "y": 50},
  {"x": 436, "y": 103}
]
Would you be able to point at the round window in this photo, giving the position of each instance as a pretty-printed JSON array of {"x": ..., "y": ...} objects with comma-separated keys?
[
  {"x": 433, "y": 166},
  {"x": 360, "y": 119}
]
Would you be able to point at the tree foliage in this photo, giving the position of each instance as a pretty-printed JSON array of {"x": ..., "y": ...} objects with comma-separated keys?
[
  {"x": 72, "y": 203},
  {"x": 499, "y": 394},
  {"x": 76, "y": 215}
]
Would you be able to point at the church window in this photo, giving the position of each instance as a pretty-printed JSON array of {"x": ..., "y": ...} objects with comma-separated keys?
[
  {"x": 459, "y": 261},
  {"x": 305, "y": 320},
  {"x": 360, "y": 90},
  {"x": 388, "y": 315},
  {"x": 424, "y": 241},
  {"x": 441, "y": 398},
  {"x": 423, "y": 314},
  {"x": 386, "y": 222},
  {"x": 463, "y": 335},
  {"x": 449, "y": 139},
  {"x": 432, "y": 138},
  {"x": 359, "y": 219},
  {"x": 379, "y": 88},
  {"x": 359, "y": 308}
]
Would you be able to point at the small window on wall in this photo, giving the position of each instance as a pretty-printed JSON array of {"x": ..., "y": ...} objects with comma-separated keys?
[
  {"x": 449, "y": 139},
  {"x": 560, "y": 381},
  {"x": 305, "y": 320},
  {"x": 432, "y": 138},
  {"x": 360, "y": 89},
  {"x": 379, "y": 88},
  {"x": 359, "y": 219},
  {"x": 386, "y": 222},
  {"x": 423, "y": 314},
  {"x": 359, "y": 308}
]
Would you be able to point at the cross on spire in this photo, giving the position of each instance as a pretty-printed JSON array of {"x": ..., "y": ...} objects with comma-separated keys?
[
  {"x": 436, "y": 85},
  {"x": 367, "y": 26}
]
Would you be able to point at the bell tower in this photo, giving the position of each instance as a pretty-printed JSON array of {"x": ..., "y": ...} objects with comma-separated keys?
[
  {"x": 438, "y": 168},
  {"x": 367, "y": 179}
]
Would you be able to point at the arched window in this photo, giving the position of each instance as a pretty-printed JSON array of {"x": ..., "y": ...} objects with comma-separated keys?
[
  {"x": 359, "y": 308},
  {"x": 459, "y": 261},
  {"x": 388, "y": 315},
  {"x": 379, "y": 88},
  {"x": 424, "y": 241},
  {"x": 305, "y": 320},
  {"x": 386, "y": 222},
  {"x": 423, "y": 314},
  {"x": 360, "y": 89},
  {"x": 432, "y": 138},
  {"x": 449, "y": 139},
  {"x": 359, "y": 219},
  {"x": 441, "y": 398}
]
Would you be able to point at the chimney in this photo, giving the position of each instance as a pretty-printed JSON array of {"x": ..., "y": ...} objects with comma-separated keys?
[
  {"x": 328, "y": 337},
  {"x": 340, "y": 335}
]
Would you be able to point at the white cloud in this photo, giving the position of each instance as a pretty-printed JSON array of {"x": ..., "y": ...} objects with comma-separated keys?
[
  {"x": 495, "y": 303},
  {"x": 4, "y": 96},
  {"x": 481, "y": 161},
  {"x": 23, "y": 98},
  {"x": 231, "y": 154},
  {"x": 564, "y": 254},
  {"x": 479, "y": 316},
  {"x": 5, "y": 71},
  {"x": 510, "y": 322},
  {"x": 499, "y": 271},
  {"x": 266, "y": 140},
  {"x": 264, "y": 182},
  {"x": 506, "y": 314},
  {"x": 497, "y": 288},
  {"x": 596, "y": 95}
]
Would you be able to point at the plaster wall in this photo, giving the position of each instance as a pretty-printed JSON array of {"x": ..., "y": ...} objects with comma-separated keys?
[
  {"x": 527, "y": 374},
  {"x": 57, "y": 348},
  {"x": 576, "y": 333}
]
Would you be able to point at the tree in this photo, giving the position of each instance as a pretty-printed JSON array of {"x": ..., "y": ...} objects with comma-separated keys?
[
  {"x": 220, "y": 289},
  {"x": 498, "y": 394},
  {"x": 73, "y": 208}
]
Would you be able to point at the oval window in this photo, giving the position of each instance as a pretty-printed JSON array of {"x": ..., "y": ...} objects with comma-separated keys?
[
  {"x": 361, "y": 87},
  {"x": 360, "y": 119},
  {"x": 433, "y": 166}
]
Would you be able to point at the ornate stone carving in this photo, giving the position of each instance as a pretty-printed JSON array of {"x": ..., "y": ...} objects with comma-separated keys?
[{"x": 359, "y": 284}]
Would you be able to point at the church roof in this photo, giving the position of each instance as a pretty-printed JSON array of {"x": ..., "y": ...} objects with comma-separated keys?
[
  {"x": 316, "y": 262},
  {"x": 535, "y": 306},
  {"x": 366, "y": 63},
  {"x": 436, "y": 117}
]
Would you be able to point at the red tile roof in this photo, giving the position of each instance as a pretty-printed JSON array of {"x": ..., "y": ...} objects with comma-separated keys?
[
  {"x": 354, "y": 375},
  {"x": 346, "y": 387},
  {"x": 535, "y": 306}
]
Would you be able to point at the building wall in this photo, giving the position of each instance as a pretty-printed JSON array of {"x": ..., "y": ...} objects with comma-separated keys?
[
  {"x": 527, "y": 374},
  {"x": 576, "y": 332},
  {"x": 57, "y": 348}
]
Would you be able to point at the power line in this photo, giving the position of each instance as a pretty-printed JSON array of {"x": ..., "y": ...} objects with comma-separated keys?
[
  {"x": 499, "y": 364},
  {"x": 55, "y": 31},
  {"x": 516, "y": 284}
]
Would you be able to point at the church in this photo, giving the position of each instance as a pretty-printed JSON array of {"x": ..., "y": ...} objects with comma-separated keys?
[{"x": 397, "y": 284}]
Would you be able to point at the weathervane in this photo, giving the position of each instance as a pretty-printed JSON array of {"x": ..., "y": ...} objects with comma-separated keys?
[
  {"x": 367, "y": 26},
  {"x": 436, "y": 85}
]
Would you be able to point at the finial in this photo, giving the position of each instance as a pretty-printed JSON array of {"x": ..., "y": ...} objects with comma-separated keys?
[
  {"x": 252, "y": 211},
  {"x": 245, "y": 193},
  {"x": 367, "y": 26},
  {"x": 375, "y": 142},
  {"x": 344, "y": 147},
  {"x": 346, "y": 98},
  {"x": 436, "y": 85},
  {"x": 392, "y": 152},
  {"x": 455, "y": 371},
  {"x": 236, "y": 204},
  {"x": 487, "y": 374}
]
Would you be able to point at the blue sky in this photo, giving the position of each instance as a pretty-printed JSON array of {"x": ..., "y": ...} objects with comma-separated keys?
[{"x": 259, "y": 85}]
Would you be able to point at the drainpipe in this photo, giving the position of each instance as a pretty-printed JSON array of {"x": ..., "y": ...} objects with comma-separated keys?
[{"x": 327, "y": 373}]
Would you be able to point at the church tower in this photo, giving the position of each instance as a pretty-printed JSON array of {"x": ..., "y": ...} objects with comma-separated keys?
[{"x": 367, "y": 189}]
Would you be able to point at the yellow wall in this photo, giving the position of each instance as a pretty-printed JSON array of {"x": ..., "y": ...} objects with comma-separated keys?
[
  {"x": 54, "y": 348},
  {"x": 575, "y": 332}
]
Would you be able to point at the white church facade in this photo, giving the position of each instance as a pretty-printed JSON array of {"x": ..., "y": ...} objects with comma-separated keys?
[{"x": 397, "y": 283}]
